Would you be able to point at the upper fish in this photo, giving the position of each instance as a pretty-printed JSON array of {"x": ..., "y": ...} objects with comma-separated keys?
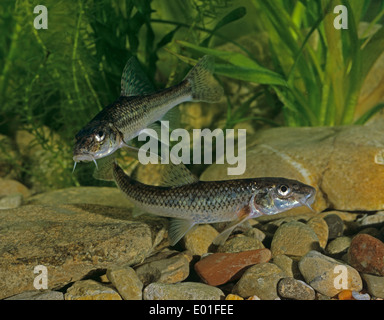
[
  {"x": 139, "y": 106},
  {"x": 190, "y": 201}
]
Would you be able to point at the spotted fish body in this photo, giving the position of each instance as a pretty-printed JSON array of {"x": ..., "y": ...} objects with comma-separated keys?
[
  {"x": 139, "y": 107},
  {"x": 215, "y": 201}
]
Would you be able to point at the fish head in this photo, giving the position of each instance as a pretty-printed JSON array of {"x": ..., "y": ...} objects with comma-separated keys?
[
  {"x": 279, "y": 194},
  {"x": 96, "y": 141}
]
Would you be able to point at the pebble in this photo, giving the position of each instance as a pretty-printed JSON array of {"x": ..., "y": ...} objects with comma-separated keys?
[
  {"x": 374, "y": 284},
  {"x": 337, "y": 247},
  {"x": 199, "y": 239},
  {"x": 371, "y": 231},
  {"x": 90, "y": 290},
  {"x": 288, "y": 265},
  {"x": 323, "y": 274},
  {"x": 366, "y": 254},
  {"x": 256, "y": 234},
  {"x": 38, "y": 295},
  {"x": 320, "y": 227},
  {"x": 240, "y": 243},
  {"x": 233, "y": 297},
  {"x": 335, "y": 225},
  {"x": 126, "y": 282},
  {"x": 372, "y": 219},
  {"x": 182, "y": 291},
  {"x": 219, "y": 268},
  {"x": 11, "y": 201},
  {"x": 260, "y": 280},
  {"x": 9, "y": 187},
  {"x": 360, "y": 296},
  {"x": 172, "y": 269},
  {"x": 291, "y": 288},
  {"x": 345, "y": 295},
  {"x": 286, "y": 241}
]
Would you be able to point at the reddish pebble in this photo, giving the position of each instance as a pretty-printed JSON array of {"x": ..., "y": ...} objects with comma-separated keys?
[
  {"x": 366, "y": 254},
  {"x": 219, "y": 268}
]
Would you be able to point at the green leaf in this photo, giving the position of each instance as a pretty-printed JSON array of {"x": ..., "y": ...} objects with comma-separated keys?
[
  {"x": 234, "y": 15},
  {"x": 365, "y": 117},
  {"x": 167, "y": 38},
  {"x": 239, "y": 70},
  {"x": 231, "y": 57},
  {"x": 371, "y": 52},
  {"x": 258, "y": 75}
]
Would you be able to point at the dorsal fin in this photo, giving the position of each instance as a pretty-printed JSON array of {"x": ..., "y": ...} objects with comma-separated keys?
[
  {"x": 174, "y": 175},
  {"x": 134, "y": 81}
]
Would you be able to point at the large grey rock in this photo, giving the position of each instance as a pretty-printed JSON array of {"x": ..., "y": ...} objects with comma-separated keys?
[{"x": 71, "y": 241}]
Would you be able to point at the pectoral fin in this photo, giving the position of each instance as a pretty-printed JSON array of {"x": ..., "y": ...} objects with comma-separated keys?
[{"x": 241, "y": 216}]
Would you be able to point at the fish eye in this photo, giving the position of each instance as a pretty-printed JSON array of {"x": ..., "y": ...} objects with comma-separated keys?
[
  {"x": 100, "y": 136},
  {"x": 284, "y": 190}
]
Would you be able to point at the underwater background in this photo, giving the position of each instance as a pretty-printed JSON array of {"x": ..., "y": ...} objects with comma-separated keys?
[
  {"x": 281, "y": 63},
  {"x": 304, "y": 78}
]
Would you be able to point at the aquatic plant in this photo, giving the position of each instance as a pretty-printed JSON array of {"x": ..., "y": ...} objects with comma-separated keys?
[
  {"x": 318, "y": 69},
  {"x": 53, "y": 81}
]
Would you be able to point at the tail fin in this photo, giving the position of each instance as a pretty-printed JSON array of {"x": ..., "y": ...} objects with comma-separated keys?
[{"x": 204, "y": 85}]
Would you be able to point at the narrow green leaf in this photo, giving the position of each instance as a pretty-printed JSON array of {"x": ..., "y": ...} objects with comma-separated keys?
[
  {"x": 366, "y": 116},
  {"x": 255, "y": 74},
  {"x": 167, "y": 38},
  {"x": 372, "y": 51},
  {"x": 234, "y": 15},
  {"x": 232, "y": 57},
  {"x": 258, "y": 75}
]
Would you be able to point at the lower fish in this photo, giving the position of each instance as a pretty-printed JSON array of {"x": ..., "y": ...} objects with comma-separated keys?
[{"x": 190, "y": 201}]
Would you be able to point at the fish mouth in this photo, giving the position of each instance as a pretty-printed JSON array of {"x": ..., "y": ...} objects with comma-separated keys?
[{"x": 83, "y": 158}]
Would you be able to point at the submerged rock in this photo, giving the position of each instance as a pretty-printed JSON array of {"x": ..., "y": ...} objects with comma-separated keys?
[
  {"x": 294, "y": 239},
  {"x": 71, "y": 241},
  {"x": 327, "y": 275},
  {"x": 366, "y": 254},
  {"x": 182, "y": 291},
  {"x": 260, "y": 280},
  {"x": 105, "y": 196},
  {"x": 126, "y": 282},
  {"x": 219, "y": 268},
  {"x": 91, "y": 290}
]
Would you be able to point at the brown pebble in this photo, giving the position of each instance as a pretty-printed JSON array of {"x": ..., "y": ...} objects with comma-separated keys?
[
  {"x": 219, "y": 268},
  {"x": 366, "y": 254}
]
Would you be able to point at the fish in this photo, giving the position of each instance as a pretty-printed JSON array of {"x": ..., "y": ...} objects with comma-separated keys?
[
  {"x": 139, "y": 106},
  {"x": 190, "y": 201}
]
